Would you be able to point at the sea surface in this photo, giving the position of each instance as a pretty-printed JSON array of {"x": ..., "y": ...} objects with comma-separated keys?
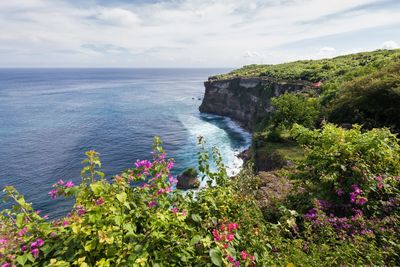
[{"x": 50, "y": 117}]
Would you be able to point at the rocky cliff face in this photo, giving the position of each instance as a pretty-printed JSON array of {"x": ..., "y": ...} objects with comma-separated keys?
[{"x": 246, "y": 100}]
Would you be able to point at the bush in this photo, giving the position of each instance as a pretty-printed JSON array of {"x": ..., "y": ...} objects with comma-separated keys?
[
  {"x": 294, "y": 108},
  {"x": 354, "y": 179},
  {"x": 119, "y": 224},
  {"x": 372, "y": 100}
]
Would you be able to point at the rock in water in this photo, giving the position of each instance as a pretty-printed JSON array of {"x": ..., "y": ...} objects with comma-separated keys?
[{"x": 188, "y": 180}]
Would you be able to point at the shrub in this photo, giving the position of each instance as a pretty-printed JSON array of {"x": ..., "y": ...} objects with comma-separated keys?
[
  {"x": 121, "y": 223},
  {"x": 294, "y": 108},
  {"x": 372, "y": 100}
]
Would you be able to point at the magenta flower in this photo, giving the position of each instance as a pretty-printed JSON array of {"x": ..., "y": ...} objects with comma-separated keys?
[
  {"x": 243, "y": 254},
  {"x": 230, "y": 258},
  {"x": 65, "y": 223},
  {"x": 80, "y": 210},
  {"x": 361, "y": 200},
  {"x": 232, "y": 226},
  {"x": 99, "y": 201},
  {"x": 230, "y": 237},
  {"x": 236, "y": 264},
  {"x": 35, "y": 252},
  {"x": 3, "y": 241},
  {"x": 6, "y": 264},
  {"x": 52, "y": 234},
  {"x": 34, "y": 245},
  {"x": 161, "y": 191},
  {"x": 170, "y": 165},
  {"x": 40, "y": 242},
  {"x": 53, "y": 193},
  {"x": 22, "y": 232},
  {"x": 152, "y": 204},
  {"x": 69, "y": 184},
  {"x": 175, "y": 210},
  {"x": 24, "y": 248}
]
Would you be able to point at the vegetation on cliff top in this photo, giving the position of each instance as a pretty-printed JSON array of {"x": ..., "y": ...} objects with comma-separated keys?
[{"x": 342, "y": 67}]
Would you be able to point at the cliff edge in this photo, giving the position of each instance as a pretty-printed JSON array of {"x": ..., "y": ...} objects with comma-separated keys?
[{"x": 246, "y": 100}]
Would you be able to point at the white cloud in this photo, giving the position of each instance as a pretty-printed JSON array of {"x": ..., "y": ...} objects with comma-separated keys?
[
  {"x": 326, "y": 51},
  {"x": 177, "y": 33},
  {"x": 390, "y": 45},
  {"x": 118, "y": 16}
]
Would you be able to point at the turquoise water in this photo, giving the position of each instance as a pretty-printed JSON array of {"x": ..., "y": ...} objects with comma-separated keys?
[{"x": 50, "y": 117}]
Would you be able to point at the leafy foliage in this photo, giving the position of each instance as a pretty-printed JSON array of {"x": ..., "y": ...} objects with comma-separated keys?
[
  {"x": 372, "y": 100},
  {"x": 295, "y": 108}
]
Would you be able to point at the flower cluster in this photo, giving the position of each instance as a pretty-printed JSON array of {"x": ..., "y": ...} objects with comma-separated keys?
[
  {"x": 355, "y": 195},
  {"x": 59, "y": 188},
  {"x": 224, "y": 236}
]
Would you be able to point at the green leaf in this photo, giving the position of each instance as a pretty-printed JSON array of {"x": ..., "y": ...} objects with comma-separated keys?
[
  {"x": 196, "y": 217},
  {"x": 21, "y": 259},
  {"x": 20, "y": 219},
  {"x": 96, "y": 188},
  {"x": 121, "y": 197},
  {"x": 195, "y": 239},
  {"x": 216, "y": 256}
]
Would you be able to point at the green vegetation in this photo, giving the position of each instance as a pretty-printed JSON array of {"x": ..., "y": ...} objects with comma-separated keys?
[
  {"x": 295, "y": 108},
  {"x": 372, "y": 100},
  {"x": 336, "y": 204},
  {"x": 337, "y": 69},
  {"x": 352, "y": 220}
]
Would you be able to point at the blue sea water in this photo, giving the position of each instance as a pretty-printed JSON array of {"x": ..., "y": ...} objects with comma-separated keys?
[{"x": 50, "y": 117}]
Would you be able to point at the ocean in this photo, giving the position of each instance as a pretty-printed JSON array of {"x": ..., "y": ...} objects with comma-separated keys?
[{"x": 50, "y": 117}]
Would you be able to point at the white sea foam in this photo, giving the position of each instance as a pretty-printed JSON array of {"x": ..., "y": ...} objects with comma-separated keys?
[{"x": 219, "y": 132}]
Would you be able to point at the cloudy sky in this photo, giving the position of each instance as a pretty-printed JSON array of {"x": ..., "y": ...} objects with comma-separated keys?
[{"x": 191, "y": 33}]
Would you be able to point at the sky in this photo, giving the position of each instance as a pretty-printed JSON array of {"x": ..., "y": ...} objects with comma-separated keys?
[{"x": 191, "y": 33}]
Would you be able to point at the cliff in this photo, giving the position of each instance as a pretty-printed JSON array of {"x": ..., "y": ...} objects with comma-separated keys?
[{"x": 246, "y": 100}]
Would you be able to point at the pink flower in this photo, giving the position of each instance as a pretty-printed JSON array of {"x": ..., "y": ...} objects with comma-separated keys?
[
  {"x": 65, "y": 223},
  {"x": 163, "y": 156},
  {"x": 3, "y": 241},
  {"x": 35, "y": 252},
  {"x": 184, "y": 213},
  {"x": 226, "y": 246},
  {"x": 232, "y": 226},
  {"x": 52, "y": 234},
  {"x": 34, "y": 245},
  {"x": 80, "y": 210},
  {"x": 69, "y": 184},
  {"x": 230, "y": 258},
  {"x": 6, "y": 264},
  {"x": 236, "y": 264},
  {"x": 46, "y": 216},
  {"x": 161, "y": 191},
  {"x": 174, "y": 210},
  {"x": 99, "y": 201},
  {"x": 243, "y": 254},
  {"x": 60, "y": 182},
  {"x": 170, "y": 165},
  {"x": 53, "y": 193},
  {"x": 152, "y": 204},
  {"x": 24, "y": 248},
  {"x": 40, "y": 242},
  {"x": 22, "y": 232},
  {"x": 230, "y": 237},
  {"x": 361, "y": 200}
]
